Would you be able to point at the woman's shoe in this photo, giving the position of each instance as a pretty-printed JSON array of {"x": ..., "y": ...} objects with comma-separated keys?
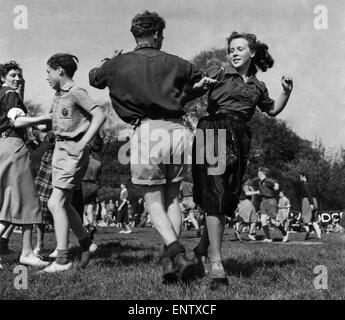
[
  {"x": 53, "y": 254},
  {"x": 55, "y": 267}
]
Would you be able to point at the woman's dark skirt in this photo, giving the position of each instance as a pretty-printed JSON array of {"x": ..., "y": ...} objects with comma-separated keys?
[{"x": 217, "y": 191}]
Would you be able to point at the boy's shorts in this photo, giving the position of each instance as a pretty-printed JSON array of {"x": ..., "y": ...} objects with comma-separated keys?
[
  {"x": 159, "y": 152},
  {"x": 68, "y": 170},
  {"x": 269, "y": 207}
]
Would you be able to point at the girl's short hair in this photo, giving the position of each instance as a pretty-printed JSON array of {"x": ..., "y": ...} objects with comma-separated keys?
[
  {"x": 146, "y": 24},
  {"x": 68, "y": 62},
  {"x": 7, "y": 67},
  {"x": 262, "y": 59}
]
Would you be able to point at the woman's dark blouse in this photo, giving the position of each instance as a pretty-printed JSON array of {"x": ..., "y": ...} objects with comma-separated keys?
[
  {"x": 10, "y": 99},
  {"x": 232, "y": 94}
]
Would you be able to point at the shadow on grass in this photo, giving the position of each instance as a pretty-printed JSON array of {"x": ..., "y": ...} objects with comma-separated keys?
[
  {"x": 125, "y": 260},
  {"x": 247, "y": 268},
  {"x": 106, "y": 251}
]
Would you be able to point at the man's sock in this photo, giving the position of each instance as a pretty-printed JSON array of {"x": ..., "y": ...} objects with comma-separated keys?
[
  {"x": 62, "y": 257},
  {"x": 267, "y": 231}
]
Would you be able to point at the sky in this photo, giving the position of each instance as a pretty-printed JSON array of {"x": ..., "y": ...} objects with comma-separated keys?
[{"x": 92, "y": 29}]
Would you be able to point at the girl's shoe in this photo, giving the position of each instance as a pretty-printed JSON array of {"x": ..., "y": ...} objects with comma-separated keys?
[{"x": 33, "y": 261}]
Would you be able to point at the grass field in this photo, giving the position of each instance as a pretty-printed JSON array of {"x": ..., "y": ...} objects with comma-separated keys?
[{"x": 127, "y": 267}]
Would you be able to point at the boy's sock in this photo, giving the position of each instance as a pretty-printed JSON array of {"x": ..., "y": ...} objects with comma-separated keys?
[
  {"x": 267, "y": 231},
  {"x": 4, "y": 243},
  {"x": 85, "y": 252},
  {"x": 173, "y": 249},
  {"x": 62, "y": 257}
]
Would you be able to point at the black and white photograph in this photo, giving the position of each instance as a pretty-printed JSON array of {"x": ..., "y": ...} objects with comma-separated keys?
[{"x": 182, "y": 152}]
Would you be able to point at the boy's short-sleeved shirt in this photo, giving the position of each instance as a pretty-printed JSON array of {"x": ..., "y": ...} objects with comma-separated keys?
[
  {"x": 232, "y": 94},
  {"x": 71, "y": 111}
]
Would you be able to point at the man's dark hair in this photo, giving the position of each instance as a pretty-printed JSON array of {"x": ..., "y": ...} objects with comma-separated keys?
[
  {"x": 66, "y": 61},
  {"x": 146, "y": 24}
]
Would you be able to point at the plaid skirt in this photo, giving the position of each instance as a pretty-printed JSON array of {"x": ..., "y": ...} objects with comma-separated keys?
[
  {"x": 19, "y": 202},
  {"x": 44, "y": 185},
  {"x": 217, "y": 191}
]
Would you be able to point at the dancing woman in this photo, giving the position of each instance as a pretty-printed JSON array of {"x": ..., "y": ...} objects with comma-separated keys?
[{"x": 231, "y": 104}]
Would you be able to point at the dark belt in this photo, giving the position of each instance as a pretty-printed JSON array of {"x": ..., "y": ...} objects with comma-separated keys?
[
  {"x": 76, "y": 139},
  {"x": 234, "y": 115}
]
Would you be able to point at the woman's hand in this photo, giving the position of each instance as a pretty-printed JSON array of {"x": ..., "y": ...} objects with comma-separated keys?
[{"x": 287, "y": 84}]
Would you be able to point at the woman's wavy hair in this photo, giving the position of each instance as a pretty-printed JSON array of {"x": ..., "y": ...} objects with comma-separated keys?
[
  {"x": 262, "y": 59},
  {"x": 146, "y": 24},
  {"x": 7, "y": 67},
  {"x": 68, "y": 62}
]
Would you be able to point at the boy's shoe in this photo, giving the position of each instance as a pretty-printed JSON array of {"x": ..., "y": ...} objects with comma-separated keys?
[
  {"x": 33, "y": 261},
  {"x": 168, "y": 274},
  {"x": 185, "y": 268},
  {"x": 267, "y": 240},
  {"x": 251, "y": 237},
  {"x": 217, "y": 275},
  {"x": 286, "y": 238},
  {"x": 55, "y": 267}
]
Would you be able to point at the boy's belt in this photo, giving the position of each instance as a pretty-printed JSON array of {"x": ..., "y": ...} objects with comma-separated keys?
[{"x": 76, "y": 139}]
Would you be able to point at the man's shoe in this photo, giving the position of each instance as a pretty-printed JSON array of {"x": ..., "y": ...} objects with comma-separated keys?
[
  {"x": 5, "y": 251},
  {"x": 185, "y": 268},
  {"x": 168, "y": 274},
  {"x": 217, "y": 275},
  {"x": 199, "y": 263}
]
